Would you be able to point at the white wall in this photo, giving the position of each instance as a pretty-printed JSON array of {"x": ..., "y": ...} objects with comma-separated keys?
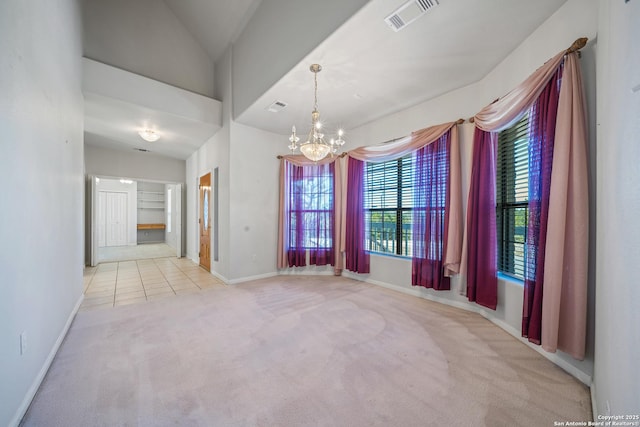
[
  {"x": 146, "y": 38},
  {"x": 213, "y": 154},
  {"x": 247, "y": 171},
  {"x": 132, "y": 204},
  {"x": 576, "y": 18},
  {"x": 617, "y": 377},
  {"x": 253, "y": 201},
  {"x": 191, "y": 209},
  {"x": 41, "y": 204},
  {"x": 131, "y": 164}
]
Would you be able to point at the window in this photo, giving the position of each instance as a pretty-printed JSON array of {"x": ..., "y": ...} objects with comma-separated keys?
[
  {"x": 388, "y": 201},
  {"x": 512, "y": 197},
  {"x": 310, "y": 206}
]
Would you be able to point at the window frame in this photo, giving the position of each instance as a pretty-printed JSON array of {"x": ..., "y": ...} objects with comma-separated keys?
[
  {"x": 402, "y": 211},
  {"x": 507, "y": 236},
  {"x": 294, "y": 213}
]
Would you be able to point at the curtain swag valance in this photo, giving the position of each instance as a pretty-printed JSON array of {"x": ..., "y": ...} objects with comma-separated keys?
[
  {"x": 564, "y": 285},
  {"x": 405, "y": 146},
  {"x": 402, "y": 146}
]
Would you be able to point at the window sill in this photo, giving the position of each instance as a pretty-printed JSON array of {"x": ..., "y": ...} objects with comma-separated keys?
[
  {"x": 388, "y": 255},
  {"x": 310, "y": 249},
  {"x": 508, "y": 278}
]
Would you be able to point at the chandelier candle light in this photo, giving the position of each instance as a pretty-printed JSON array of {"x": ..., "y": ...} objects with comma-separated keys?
[{"x": 315, "y": 147}]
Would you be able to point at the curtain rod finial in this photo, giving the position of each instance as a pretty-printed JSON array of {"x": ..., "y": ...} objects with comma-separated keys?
[
  {"x": 472, "y": 119},
  {"x": 460, "y": 121},
  {"x": 577, "y": 45}
]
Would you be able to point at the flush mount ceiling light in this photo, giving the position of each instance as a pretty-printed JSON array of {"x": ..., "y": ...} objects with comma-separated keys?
[
  {"x": 315, "y": 147},
  {"x": 149, "y": 135}
]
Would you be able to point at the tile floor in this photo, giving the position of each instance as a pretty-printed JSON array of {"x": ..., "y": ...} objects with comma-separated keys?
[
  {"x": 135, "y": 252},
  {"x": 132, "y": 282}
]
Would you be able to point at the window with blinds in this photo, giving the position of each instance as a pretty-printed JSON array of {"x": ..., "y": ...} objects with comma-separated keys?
[
  {"x": 512, "y": 194},
  {"x": 310, "y": 206},
  {"x": 388, "y": 203}
]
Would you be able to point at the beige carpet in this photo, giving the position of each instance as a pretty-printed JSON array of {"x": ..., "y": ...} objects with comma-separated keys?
[{"x": 299, "y": 351}]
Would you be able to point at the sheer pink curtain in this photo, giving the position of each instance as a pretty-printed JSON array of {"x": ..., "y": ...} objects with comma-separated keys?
[
  {"x": 430, "y": 214},
  {"x": 296, "y": 253},
  {"x": 542, "y": 128},
  {"x": 398, "y": 149},
  {"x": 356, "y": 256},
  {"x": 564, "y": 304},
  {"x": 482, "y": 282}
]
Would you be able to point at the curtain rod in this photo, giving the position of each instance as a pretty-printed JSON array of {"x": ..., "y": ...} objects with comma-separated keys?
[{"x": 458, "y": 122}]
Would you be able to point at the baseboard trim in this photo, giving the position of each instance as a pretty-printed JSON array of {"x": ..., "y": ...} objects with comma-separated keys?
[
  {"x": 31, "y": 393},
  {"x": 250, "y": 278},
  {"x": 572, "y": 370},
  {"x": 306, "y": 272},
  {"x": 196, "y": 260},
  {"x": 284, "y": 272},
  {"x": 220, "y": 276}
]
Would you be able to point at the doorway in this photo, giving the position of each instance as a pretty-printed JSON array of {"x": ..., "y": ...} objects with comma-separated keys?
[
  {"x": 204, "y": 221},
  {"x": 149, "y": 207}
]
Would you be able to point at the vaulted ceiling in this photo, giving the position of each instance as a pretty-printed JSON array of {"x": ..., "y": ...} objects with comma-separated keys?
[{"x": 369, "y": 70}]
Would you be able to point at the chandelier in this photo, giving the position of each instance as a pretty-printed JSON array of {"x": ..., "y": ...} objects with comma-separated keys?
[{"x": 315, "y": 147}]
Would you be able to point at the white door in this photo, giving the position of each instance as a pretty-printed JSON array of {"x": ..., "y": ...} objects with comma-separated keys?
[
  {"x": 102, "y": 219},
  {"x": 115, "y": 218}
]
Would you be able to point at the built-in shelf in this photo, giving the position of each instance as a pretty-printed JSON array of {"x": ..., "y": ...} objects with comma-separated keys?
[
  {"x": 151, "y": 212},
  {"x": 150, "y": 199},
  {"x": 151, "y": 227}
]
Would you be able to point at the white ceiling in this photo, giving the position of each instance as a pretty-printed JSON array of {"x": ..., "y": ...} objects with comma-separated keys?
[
  {"x": 117, "y": 123},
  {"x": 118, "y": 104},
  {"x": 369, "y": 70}
]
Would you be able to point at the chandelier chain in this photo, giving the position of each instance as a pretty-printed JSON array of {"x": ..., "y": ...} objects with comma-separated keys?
[{"x": 315, "y": 90}]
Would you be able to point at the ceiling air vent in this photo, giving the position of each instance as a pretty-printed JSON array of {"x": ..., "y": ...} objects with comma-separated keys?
[
  {"x": 144, "y": 150},
  {"x": 276, "y": 106},
  {"x": 409, "y": 12}
]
